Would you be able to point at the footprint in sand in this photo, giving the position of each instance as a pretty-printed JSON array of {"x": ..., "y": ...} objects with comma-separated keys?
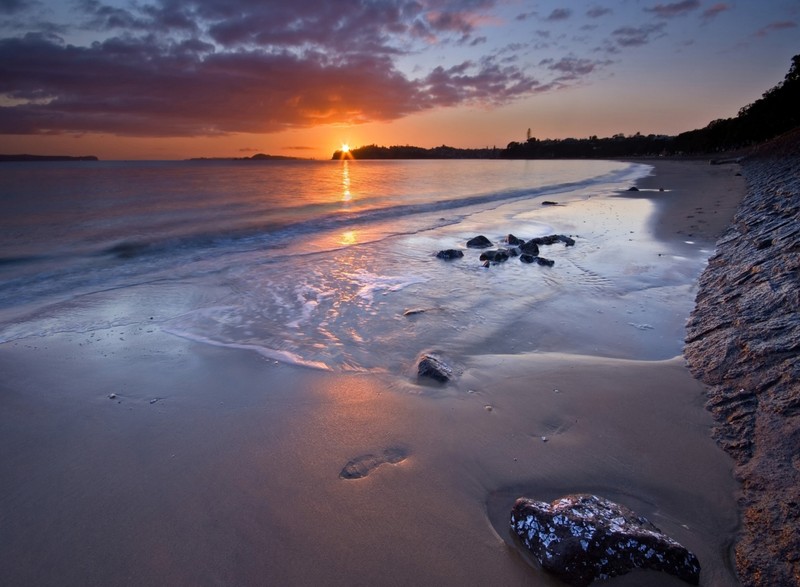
[{"x": 363, "y": 465}]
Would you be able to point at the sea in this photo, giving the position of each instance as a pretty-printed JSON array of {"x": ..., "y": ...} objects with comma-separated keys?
[{"x": 332, "y": 264}]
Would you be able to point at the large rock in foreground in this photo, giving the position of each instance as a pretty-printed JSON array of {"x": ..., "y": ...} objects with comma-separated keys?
[{"x": 580, "y": 538}]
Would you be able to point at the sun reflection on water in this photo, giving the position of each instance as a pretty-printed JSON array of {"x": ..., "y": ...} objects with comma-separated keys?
[{"x": 346, "y": 195}]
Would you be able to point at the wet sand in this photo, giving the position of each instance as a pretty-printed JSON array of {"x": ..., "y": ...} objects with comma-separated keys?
[{"x": 131, "y": 457}]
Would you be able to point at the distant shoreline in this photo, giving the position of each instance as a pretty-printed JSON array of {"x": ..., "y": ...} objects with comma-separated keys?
[{"x": 26, "y": 157}]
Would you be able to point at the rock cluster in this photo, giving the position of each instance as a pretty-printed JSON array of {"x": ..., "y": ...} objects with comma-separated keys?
[
  {"x": 743, "y": 341},
  {"x": 580, "y": 538},
  {"x": 526, "y": 250}
]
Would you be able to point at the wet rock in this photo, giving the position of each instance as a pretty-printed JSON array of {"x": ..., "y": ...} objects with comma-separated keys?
[
  {"x": 449, "y": 254},
  {"x": 512, "y": 240},
  {"x": 433, "y": 367},
  {"x": 549, "y": 203},
  {"x": 580, "y": 538},
  {"x": 498, "y": 256},
  {"x": 552, "y": 239},
  {"x": 530, "y": 248},
  {"x": 479, "y": 242},
  {"x": 526, "y": 258},
  {"x": 633, "y": 189}
]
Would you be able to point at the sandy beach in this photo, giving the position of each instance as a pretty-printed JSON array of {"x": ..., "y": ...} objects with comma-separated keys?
[{"x": 130, "y": 456}]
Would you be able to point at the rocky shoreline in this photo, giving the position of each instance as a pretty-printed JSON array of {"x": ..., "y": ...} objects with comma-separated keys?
[{"x": 743, "y": 342}]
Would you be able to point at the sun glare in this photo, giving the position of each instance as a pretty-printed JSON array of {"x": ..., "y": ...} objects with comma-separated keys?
[{"x": 345, "y": 148}]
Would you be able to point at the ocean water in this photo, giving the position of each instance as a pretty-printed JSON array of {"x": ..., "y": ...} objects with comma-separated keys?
[{"x": 331, "y": 264}]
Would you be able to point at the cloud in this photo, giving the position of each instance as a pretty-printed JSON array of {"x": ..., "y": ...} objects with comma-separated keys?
[
  {"x": 715, "y": 10},
  {"x": 210, "y": 67},
  {"x": 636, "y": 36},
  {"x": 674, "y": 9},
  {"x": 12, "y": 6},
  {"x": 136, "y": 87},
  {"x": 597, "y": 12},
  {"x": 571, "y": 68},
  {"x": 559, "y": 14},
  {"x": 775, "y": 26},
  {"x": 485, "y": 83}
]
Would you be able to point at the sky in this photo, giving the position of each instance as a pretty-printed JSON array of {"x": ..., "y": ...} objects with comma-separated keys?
[{"x": 173, "y": 79}]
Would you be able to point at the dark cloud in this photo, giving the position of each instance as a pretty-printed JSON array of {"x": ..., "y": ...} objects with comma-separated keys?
[
  {"x": 597, "y": 11},
  {"x": 12, "y": 6},
  {"x": 674, "y": 9},
  {"x": 208, "y": 67},
  {"x": 559, "y": 14},
  {"x": 573, "y": 68},
  {"x": 715, "y": 10},
  {"x": 136, "y": 87},
  {"x": 484, "y": 83},
  {"x": 635, "y": 36},
  {"x": 775, "y": 26}
]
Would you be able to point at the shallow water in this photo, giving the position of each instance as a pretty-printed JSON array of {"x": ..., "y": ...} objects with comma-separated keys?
[{"x": 319, "y": 263}]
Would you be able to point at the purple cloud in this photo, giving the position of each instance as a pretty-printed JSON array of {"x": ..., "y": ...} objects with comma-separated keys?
[
  {"x": 775, "y": 26},
  {"x": 597, "y": 12},
  {"x": 715, "y": 10},
  {"x": 12, "y": 6},
  {"x": 674, "y": 9},
  {"x": 559, "y": 14},
  {"x": 636, "y": 36},
  {"x": 573, "y": 68}
]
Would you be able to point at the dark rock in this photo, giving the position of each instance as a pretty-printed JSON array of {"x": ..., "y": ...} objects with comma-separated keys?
[
  {"x": 479, "y": 242},
  {"x": 633, "y": 189},
  {"x": 580, "y": 538},
  {"x": 498, "y": 256},
  {"x": 512, "y": 240},
  {"x": 513, "y": 252},
  {"x": 549, "y": 203},
  {"x": 530, "y": 248},
  {"x": 449, "y": 254},
  {"x": 432, "y": 367},
  {"x": 570, "y": 242},
  {"x": 528, "y": 258},
  {"x": 545, "y": 262}
]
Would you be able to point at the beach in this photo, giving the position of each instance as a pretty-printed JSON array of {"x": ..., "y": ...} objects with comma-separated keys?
[{"x": 131, "y": 455}]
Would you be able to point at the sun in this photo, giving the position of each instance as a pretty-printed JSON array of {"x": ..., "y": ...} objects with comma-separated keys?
[{"x": 345, "y": 148}]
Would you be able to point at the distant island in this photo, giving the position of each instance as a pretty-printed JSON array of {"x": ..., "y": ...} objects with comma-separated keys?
[
  {"x": 46, "y": 158},
  {"x": 256, "y": 157},
  {"x": 771, "y": 115}
]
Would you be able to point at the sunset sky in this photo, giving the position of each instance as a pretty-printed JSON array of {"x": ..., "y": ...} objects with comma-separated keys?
[{"x": 171, "y": 79}]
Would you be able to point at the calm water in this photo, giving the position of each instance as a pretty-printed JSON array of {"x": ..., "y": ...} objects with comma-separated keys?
[{"x": 316, "y": 263}]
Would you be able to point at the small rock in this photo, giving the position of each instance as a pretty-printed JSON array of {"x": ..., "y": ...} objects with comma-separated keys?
[
  {"x": 479, "y": 242},
  {"x": 545, "y": 262},
  {"x": 449, "y": 254},
  {"x": 512, "y": 240},
  {"x": 633, "y": 189},
  {"x": 530, "y": 247},
  {"x": 549, "y": 203},
  {"x": 112, "y": 396},
  {"x": 498, "y": 256},
  {"x": 433, "y": 367}
]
